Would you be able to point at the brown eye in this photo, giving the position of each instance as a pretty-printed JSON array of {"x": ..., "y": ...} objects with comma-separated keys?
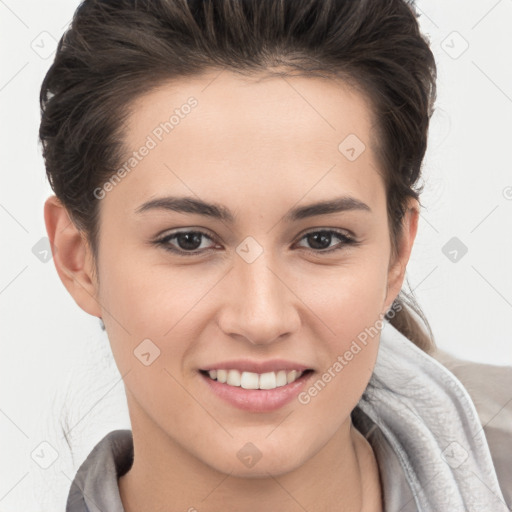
[
  {"x": 320, "y": 240},
  {"x": 187, "y": 243}
]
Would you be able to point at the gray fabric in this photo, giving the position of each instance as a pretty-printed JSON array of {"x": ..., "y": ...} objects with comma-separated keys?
[
  {"x": 490, "y": 388},
  {"x": 95, "y": 488},
  {"x": 412, "y": 410},
  {"x": 428, "y": 418}
]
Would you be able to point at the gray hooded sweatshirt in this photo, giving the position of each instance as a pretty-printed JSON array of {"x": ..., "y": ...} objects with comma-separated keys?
[{"x": 434, "y": 452}]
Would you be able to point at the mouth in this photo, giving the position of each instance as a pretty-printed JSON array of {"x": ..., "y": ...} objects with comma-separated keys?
[
  {"x": 256, "y": 381},
  {"x": 256, "y": 392}
]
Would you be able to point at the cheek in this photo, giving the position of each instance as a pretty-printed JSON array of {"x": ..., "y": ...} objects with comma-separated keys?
[
  {"x": 136, "y": 292},
  {"x": 150, "y": 309},
  {"x": 349, "y": 306},
  {"x": 348, "y": 300},
  {"x": 128, "y": 296},
  {"x": 161, "y": 303}
]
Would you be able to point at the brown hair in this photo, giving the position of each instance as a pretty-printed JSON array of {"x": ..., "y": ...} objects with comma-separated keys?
[{"x": 116, "y": 51}]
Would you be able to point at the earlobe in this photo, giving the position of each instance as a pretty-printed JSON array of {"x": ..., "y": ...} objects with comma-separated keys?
[{"x": 71, "y": 256}]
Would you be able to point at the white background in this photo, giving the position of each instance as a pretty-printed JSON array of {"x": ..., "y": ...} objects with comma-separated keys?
[{"x": 56, "y": 361}]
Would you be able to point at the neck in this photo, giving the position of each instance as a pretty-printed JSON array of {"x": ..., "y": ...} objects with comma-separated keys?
[{"x": 343, "y": 476}]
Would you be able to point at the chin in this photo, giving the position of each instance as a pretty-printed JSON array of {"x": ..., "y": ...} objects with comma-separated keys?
[{"x": 251, "y": 462}]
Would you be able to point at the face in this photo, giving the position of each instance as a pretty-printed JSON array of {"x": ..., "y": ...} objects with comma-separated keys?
[{"x": 270, "y": 281}]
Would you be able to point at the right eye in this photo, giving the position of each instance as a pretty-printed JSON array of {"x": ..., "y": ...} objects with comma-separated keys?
[{"x": 188, "y": 242}]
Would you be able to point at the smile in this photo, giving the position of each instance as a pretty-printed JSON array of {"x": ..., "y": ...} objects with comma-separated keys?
[
  {"x": 251, "y": 380},
  {"x": 256, "y": 392}
]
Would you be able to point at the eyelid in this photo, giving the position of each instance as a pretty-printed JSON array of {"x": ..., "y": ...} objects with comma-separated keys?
[
  {"x": 339, "y": 231},
  {"x": 177, "y": 231},
  {"x": 169, "y": 234}
]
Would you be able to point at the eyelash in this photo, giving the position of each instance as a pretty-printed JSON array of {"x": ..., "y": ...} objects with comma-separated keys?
[{"x": 346, "y": 240}]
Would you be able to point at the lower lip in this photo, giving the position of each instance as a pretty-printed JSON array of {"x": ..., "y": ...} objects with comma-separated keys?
[{"x": 257, "y": 400}]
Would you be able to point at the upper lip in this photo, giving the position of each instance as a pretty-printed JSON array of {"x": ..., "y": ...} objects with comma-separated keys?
[{"x": 246, "y": 365}]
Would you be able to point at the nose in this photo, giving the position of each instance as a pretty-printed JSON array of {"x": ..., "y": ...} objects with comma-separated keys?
[{"x": 260, "y": 305}]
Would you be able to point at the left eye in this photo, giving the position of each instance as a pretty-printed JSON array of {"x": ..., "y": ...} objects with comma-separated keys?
[
  {"x": 189, "y": 242},
  {"x": 324, "y": 237}
]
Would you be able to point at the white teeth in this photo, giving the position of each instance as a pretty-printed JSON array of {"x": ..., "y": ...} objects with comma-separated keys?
[
  {"x": 251, "y": 380},
  {"x": 281, "y": 378},
  {"x": 233, "y": 378},
  {"x": 291, "y": 376},
  {"x": 268, "y": 380}
]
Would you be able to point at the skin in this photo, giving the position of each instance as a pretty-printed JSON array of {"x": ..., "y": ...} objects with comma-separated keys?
[{"x": 259, "y": 148}]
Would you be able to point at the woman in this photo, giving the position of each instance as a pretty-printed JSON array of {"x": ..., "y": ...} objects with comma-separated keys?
[{"x": 236, "y": 200}]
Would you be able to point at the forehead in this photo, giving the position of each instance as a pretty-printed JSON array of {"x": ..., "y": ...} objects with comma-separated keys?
[
  {"x": 282, "y": 108},
  {"x": 213, "y": 132}
]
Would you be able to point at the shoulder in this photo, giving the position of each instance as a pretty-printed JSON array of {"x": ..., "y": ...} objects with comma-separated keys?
[{"x": 490, "y": 388}]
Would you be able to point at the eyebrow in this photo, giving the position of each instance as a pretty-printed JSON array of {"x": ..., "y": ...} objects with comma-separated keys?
[{"x": 220, "y": 212}]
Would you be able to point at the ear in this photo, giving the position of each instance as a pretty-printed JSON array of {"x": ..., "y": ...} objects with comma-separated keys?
[
  {"x": 397, "y": 268},
  {"x": 72, "y": 256}
]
